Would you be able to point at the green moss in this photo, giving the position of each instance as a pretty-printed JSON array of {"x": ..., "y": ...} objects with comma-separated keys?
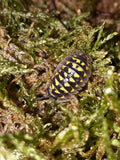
[{"x": 32, "y": 43}]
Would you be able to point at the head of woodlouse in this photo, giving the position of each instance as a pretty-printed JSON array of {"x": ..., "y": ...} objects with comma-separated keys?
[{"x": 70, "y": 76}]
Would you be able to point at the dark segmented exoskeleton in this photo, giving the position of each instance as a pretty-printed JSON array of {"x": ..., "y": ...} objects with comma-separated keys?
[{"x": 70, "y": 76}]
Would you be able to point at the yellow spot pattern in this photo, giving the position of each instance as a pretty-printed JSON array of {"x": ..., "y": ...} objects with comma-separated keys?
[
  {"x": 69, "y": 70},
  {"x": 74, "y": 65},
  {"x": 86, "y": 68},
  {"x": 76, "y": 85},
  {"x": 56, "y": 91},
  {"x": 62, "y": 97},
  {"x": 51, "y": 94},
  {"x": 76, "y": 75},
  {"x": 84, "y": 75},
  {"x": 77, "y": 60},
  {"x": 63, "y": 67},
  {"x": 81, "y": 80},
  {"x": 56, "y": 73},
  {"x": 56, "y": 82},
  {"x": 74, "y": 58},
  {"x": 60, "y": 77},
  {"x": 79, "y": 69},
  {"x": 67, "y": 62},
  {"x": 60, "y": 70},
  {"x": 63, "y": 89},
  {"x": 72, "y": 90},
  {"x": 66, "y": 85},
  {"x": 53, "y": 87},
  {"x": 72, "y": 80},
  {"x": 82, "y": 63},
  {"x": 65, "y": 74}
]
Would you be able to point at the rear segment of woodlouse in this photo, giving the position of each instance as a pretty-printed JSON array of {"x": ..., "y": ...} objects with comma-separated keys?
[{"x": 70, "y": 76}]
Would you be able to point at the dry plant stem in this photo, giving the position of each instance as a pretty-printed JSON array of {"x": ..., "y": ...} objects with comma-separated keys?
[{"x": 110, "y": 102}]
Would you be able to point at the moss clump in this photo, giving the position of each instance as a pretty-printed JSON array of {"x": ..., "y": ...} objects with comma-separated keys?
[{"x": 32, "y": 43}]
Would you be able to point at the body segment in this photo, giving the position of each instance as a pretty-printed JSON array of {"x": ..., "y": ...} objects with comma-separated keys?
[{"x": 70, "y": 76}]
